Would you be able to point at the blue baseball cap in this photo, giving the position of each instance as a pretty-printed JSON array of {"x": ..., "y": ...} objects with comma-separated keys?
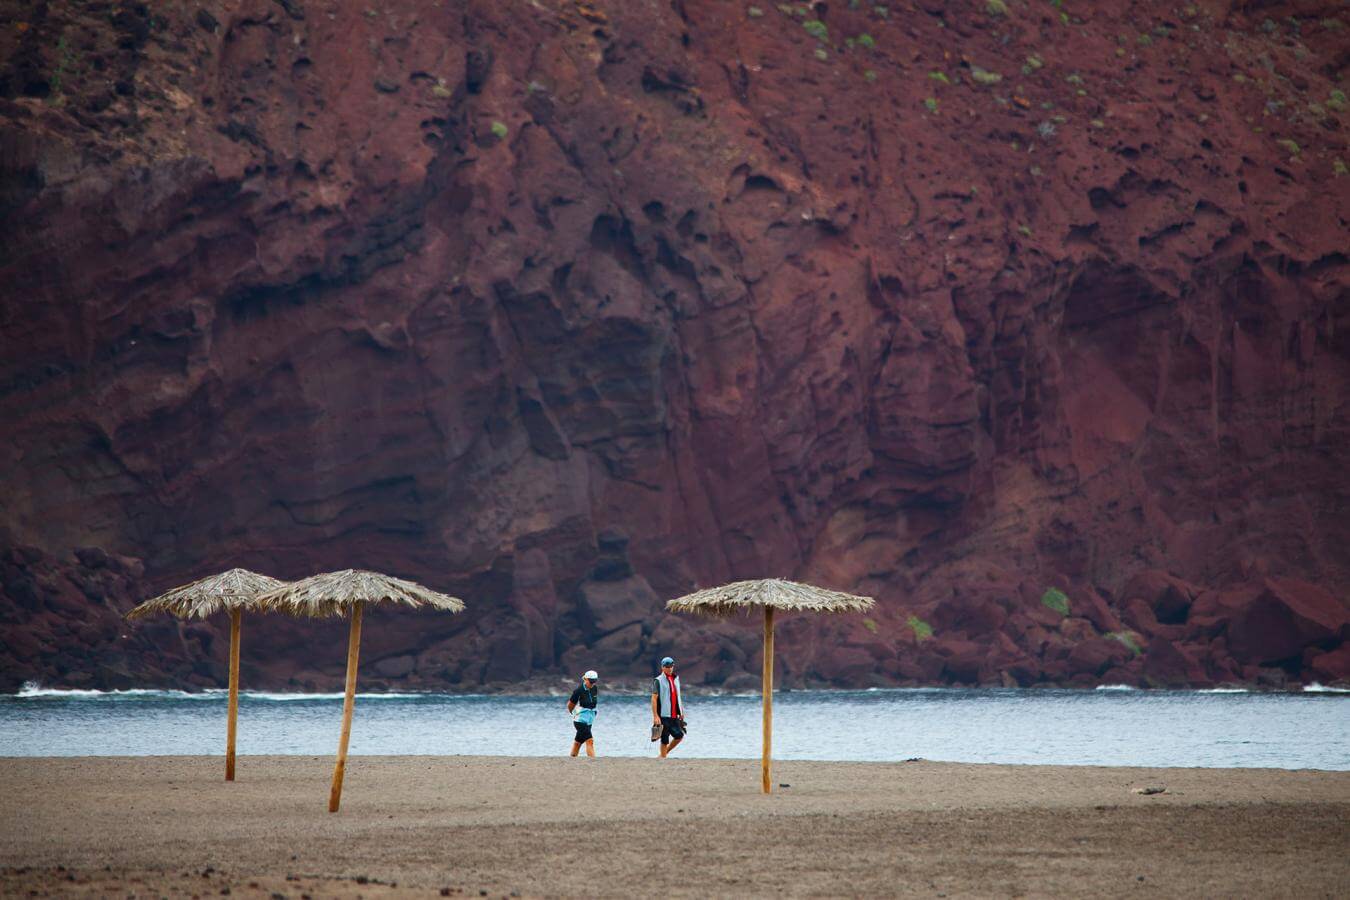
[{"x": 668, "y": 661}]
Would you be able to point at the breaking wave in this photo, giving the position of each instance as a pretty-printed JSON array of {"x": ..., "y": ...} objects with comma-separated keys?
[{"x": 34, "y": 691}]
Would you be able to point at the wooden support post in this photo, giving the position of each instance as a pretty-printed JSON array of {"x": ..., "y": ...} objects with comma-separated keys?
[
  {"x": 231, "y": 729},
  {"x": 767, "y": 689},
  {"x": 353, "y": 651}
]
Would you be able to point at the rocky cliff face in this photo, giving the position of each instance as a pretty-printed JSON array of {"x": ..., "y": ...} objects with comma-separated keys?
[{"x": 1029, "y": 319}]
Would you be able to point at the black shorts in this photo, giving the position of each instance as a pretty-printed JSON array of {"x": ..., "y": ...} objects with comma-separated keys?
[
  {"x": 583, "y": 732},
  {"x": 671, "y": 730}
]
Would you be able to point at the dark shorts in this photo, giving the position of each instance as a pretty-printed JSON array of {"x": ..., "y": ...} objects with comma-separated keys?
[
  {"x": 583, "y": 732},
  {"x": 671, "y": 730}
]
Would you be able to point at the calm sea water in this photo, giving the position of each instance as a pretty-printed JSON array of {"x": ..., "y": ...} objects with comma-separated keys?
[{"x": 1062, "y": 727}]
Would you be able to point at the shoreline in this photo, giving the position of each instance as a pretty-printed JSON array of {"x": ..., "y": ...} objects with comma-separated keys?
[
  {"x": 33, "y": 690},
  {"x": 413, "y": 826},
  {"x": 355, "y": 758}
]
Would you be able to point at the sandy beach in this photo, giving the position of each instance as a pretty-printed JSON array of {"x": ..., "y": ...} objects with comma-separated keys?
[{"x": 477, "y": 826}]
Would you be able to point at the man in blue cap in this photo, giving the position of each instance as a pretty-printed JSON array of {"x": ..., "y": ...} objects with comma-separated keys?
[{"x": 667, "y": 708}]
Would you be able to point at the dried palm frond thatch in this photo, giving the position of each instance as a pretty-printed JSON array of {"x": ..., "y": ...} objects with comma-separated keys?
[
  {"x": 206, "y": 596},
  {"x": 232, "y": 591},
  {"x": 334, "y": 593},
  {"x": 768, "y": 592}
]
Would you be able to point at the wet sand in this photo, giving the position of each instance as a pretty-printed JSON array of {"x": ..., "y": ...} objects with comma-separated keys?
[{"x": 476, "y": 826}]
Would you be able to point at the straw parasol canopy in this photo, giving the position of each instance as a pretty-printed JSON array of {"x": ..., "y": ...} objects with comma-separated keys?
[
  {"x": 336, "y": 593},
  {"x": 770, "y": 594},
  {"x": 235, "y": 591}
]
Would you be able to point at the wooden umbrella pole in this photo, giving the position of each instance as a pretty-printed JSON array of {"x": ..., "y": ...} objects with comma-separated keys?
[
  {"x": 767, "y": 689},
  {"x": 353, "y": 651},
  {"x": 231, "y": 728}
]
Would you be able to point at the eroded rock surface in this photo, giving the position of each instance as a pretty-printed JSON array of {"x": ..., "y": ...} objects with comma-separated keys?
[{"x": 570, "y": 307}]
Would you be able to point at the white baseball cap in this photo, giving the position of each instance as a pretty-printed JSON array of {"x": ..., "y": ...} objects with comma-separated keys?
[{"x": 592, "y": 675}]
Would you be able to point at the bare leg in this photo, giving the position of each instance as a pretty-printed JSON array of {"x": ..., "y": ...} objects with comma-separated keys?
[
  {"x": 575, "y": 748},
  {"x": 590, "y": 748},
  {"x": 675, "y": 742}
]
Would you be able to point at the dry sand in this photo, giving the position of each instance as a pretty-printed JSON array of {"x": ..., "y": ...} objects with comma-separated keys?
[{"x": 417, "y": 826}]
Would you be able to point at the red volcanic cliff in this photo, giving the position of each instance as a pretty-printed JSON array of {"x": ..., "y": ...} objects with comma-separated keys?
[{"x": 1029, "y": 319}]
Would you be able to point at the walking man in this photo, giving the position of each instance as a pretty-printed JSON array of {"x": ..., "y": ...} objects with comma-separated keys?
[
  {"x": 582, "y": 707},
  {"x": 667, "y": 707}
]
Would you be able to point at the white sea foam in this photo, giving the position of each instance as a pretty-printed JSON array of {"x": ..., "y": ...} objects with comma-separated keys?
[
  {"x": 1116, "y": 687},
  {"x": 1316, "y": 688},
  {"x": 334, "y": 695},
  {"x": 31, "y": 690},
  {"x": 1224, "y": 690}
]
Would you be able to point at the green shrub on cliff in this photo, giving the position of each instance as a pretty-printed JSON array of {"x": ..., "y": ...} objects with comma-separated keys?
[
  {"x": 817, "y": 29},
  {"x": 1337, "y": 101},
  {"x": 870, "y": 625},
  {"x": 922, "y": 630},
  {"x": 1057, "y": 600},
  {"x": 65, "y": 56},
  {"x": 500, "y": 130},
  {"x": 996, "y": 8}
]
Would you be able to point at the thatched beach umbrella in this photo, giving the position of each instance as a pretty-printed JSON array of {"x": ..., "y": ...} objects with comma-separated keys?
[
  {"x": 771, "y": 594},
  {"x": 235, "y": 591},
  {"x": 334, "y": 594}
]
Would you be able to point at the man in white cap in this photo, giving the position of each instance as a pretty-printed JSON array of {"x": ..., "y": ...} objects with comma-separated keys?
[
  {"x": 582, "y": 708},
  {"x": 667, "y": 708}
]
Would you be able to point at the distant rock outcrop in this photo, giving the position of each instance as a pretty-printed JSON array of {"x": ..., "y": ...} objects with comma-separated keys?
[{"x": 1035, "y": 326}]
